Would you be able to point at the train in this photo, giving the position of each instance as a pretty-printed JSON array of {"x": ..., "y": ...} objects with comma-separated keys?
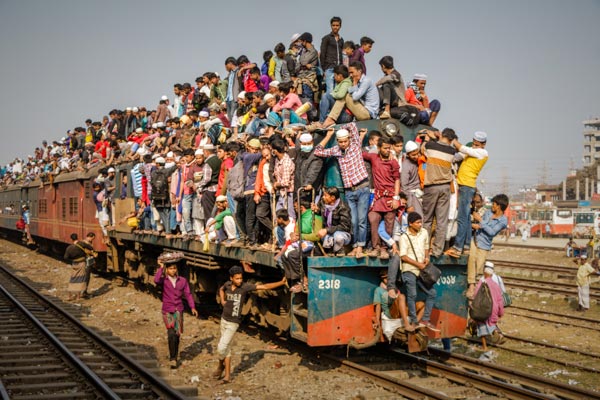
[{"x": 336, "y": 310}]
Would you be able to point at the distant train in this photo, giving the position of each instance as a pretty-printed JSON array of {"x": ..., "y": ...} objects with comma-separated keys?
[
  {"x": 337, "y": 310},
  {"x": 536, "y": 218}
]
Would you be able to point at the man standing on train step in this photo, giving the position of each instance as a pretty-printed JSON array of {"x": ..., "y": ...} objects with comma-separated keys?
[
  {"x": 386, "y": 179},
  {"x": 437, "y": 185},
  {"x": 473, "y": 159},
  {"x": 354, "y": 176}
]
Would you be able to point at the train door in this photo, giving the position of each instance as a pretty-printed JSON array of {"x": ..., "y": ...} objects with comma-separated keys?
[{"x": 123, "y": 206}]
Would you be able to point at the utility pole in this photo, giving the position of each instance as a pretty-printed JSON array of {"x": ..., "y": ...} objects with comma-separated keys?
[{"x": 505, "y": 185}]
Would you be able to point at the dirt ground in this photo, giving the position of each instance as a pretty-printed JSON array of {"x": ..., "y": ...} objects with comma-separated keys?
[{"x": 261, "y": 369}]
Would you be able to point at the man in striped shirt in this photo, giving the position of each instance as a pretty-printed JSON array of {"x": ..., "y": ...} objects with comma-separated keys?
[
  {"x": 438, "y": 179},
  {"x": 354, "y": 177}
]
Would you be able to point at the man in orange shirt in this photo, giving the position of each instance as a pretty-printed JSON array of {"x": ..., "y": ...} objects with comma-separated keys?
[{"x": 416, "y": 96}]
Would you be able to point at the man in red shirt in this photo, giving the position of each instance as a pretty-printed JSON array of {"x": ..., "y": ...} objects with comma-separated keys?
[
  {"x": 416, "y": 96},
  {"x": 386, "y": 180}
]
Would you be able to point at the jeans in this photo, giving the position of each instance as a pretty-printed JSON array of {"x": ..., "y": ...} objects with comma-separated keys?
[
  {"x": 434, "y": 106},
  {"x": 465, "y": 196},
  {"x": 411, "y": 281},
  {"x": 393, "y": 270},
  {"x": 327, "y": 101},
  {"x": 307, "y": 92},
  {"x": 358, "y": 200},
  {"x": 329, "y": 82},
  {"x": 338, "y": 240},
  {"x": 164, "y": 213},
  {"x": 231, "y": 107},
  {"x": 186, "y": 202}
]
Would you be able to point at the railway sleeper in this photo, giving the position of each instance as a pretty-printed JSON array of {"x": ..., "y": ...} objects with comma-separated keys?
[{"x": 44, "y": 377}]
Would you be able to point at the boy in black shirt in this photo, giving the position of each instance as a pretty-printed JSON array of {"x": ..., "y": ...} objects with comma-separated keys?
[{"x": 233, "y": 295}]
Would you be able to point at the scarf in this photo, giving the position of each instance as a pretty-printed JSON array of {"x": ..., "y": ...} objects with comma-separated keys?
[
  {"x": 328, "y": 213},
  {"x": 415, "y": 89}
]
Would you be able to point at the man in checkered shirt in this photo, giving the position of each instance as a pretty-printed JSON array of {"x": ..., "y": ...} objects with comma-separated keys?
[{"x": 354, "y": 176}]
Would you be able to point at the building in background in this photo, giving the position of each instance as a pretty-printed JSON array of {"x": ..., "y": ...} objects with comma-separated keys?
[{"x": 591, "y": 141}]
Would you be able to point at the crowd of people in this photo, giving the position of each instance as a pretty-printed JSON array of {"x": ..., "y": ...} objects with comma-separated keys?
[{"x": 239, "y": 160}]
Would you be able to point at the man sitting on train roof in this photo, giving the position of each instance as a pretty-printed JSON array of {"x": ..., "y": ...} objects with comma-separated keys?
[{"x": 362, "y": 98}]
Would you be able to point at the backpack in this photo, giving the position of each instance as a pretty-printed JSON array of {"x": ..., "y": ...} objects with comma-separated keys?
[
  {"x": 482, "y": 305},
  {"x": 159, "y": 185},
  {"x": 236, "y": 181},
  {"x": 200, "y": 100},
  {"x": 408, "y": 115}
]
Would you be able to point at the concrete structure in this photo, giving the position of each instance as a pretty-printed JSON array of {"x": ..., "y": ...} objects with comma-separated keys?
[{"x": 591, "y": 141}]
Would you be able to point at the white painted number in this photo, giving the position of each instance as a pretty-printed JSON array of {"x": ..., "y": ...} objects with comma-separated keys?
[
  {"x": 447, "y": 280},
  {"x": 327, "y": 284}
]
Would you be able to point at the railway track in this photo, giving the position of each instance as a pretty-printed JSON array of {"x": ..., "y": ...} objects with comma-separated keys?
[
  {"x": 528, "y": 247},
  {"x": 47, "y": 353},
  {"x": 530, "y": 267},
  {"x": 547, "y": 287},
  {"x": 570, "y": 320},
  {"x": 446, "y": 375}
]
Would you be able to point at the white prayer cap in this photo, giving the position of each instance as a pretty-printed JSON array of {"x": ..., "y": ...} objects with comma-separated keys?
[
  {"x": 111, "y": 169},
  {"x": 160, "y": 160},
  {"x": 274, "y": 83},
  {"x": 294, "y": 37},
  {"x": 135, "y": 109},
  {"x": 198, "y": 152},
  {"x": 154, "y": 125},
  {"x": 170, "y": 154},
  {"x": 342, "y": 133},
  {"x": 268, "y": 96},
  {"x": 306, "y": 138},
  {"x": 164, "y": 98},
  {"x": 139, "y": 130},
  {"x": 410, "y": 146},
  {"x": 242, "y": 95},
  {"x": 160, "y": 124},
  {"x": 420, "y": 77},
  {"x": 209, "y": 147},
  {"x": 480, "y": 136},
  {"x": 128, "y": 109},
  {"x": 203, "y": 114}
]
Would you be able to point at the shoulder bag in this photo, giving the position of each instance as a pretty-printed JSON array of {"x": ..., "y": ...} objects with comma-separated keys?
[{"x": 428, "y": 275}]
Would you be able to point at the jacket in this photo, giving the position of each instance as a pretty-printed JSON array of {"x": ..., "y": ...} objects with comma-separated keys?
[
  {"x": 341, "y": 219},
  {"x": 331, "y": 51},
  {"x": 309, "y": 170}
]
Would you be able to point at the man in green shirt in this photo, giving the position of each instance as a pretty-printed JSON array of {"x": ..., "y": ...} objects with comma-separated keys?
[
  {"x": 222, "y": 227},
  {"x": 339, "y": 92}
]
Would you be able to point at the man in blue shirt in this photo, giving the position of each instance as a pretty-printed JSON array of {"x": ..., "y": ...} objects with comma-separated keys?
[
  {"x": 492, "y": 223},
  {"x": 362, "y": 98}
]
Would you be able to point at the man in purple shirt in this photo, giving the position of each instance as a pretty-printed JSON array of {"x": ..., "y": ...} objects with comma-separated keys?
[{"x": 175, "y": 288}]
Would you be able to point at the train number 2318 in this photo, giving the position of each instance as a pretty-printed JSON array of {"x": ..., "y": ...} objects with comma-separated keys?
[{"x": 329, "y": 284}]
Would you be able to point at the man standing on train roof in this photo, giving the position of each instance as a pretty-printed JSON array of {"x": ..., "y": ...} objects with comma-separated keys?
[
  {"x": 332, "y": 46},
  {"x": 355, "y": 178},
  {"x": 473, "y": 159}
]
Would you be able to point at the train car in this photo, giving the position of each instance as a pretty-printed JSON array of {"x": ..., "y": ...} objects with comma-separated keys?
[
  {"x": 338, "y": 308},
  {"x": 57, "y": 209}
]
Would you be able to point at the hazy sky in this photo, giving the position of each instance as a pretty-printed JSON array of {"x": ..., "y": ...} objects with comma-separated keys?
[{"x": 526, "y": 72}]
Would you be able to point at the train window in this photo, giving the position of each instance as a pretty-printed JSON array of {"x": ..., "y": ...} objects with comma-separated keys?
[
  {"x": 43, "y": 206},
  {"x": 86, "y": 189},
  {"x": 73, "y": 206},
  {"x": 564, "y": 213},
  {"x": 64, "y": 208}
]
